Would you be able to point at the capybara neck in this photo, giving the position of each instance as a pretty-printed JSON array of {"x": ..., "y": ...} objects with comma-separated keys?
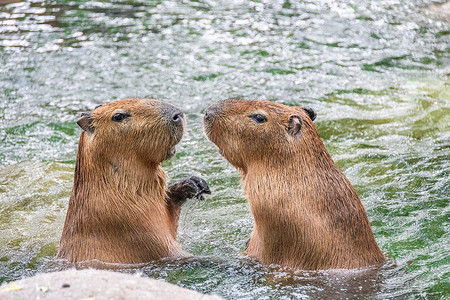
[
  {"x": 116, "y": 173},
  {"x": 307, "y": 214},
  {"x": 117, "y": 210}
]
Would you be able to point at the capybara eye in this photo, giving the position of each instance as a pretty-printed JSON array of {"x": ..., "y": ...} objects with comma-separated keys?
[
  {"x": 258, "y": 118},
  {"x": 119, "y": 117}
]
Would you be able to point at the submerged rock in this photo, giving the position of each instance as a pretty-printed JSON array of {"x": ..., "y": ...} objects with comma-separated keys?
[{"x": 95, "y": 284}]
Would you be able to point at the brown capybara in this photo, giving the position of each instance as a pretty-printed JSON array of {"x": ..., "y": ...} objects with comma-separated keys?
[
  {"x": 307, "y": 214},
  {"x": 120, "y": 210}
]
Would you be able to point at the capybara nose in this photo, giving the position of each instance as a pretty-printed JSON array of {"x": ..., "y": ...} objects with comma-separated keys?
[
  {"x": 211, "y": 111},
  {"x": 174, "y": 115},
  {"x": 177, "y": 117}
]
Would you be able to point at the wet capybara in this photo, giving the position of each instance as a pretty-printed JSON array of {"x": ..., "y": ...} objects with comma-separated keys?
[
  {"x": 120, "y": 209},
  {"x": 307, "y": 214}
]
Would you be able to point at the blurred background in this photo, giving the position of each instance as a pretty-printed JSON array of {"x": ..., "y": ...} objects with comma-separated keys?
[{"x": 375, "y": 71}]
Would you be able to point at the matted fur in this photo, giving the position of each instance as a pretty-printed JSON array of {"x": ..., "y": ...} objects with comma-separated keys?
[{"x": 307, "y": 214}]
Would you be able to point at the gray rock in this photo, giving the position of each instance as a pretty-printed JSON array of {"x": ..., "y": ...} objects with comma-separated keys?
[
  {"x": 442, "y": 11},
  {"x": 96, "y": 284}
]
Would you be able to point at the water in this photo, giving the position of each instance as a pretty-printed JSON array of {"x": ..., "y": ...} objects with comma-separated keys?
[{"x": 376, "y": 72}]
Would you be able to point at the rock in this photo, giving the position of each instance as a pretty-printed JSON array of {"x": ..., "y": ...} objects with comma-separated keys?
[
  {"x": 95, "y": 284},
  {"x": 442, "y": 11}
]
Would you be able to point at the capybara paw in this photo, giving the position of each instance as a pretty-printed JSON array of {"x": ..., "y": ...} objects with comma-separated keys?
[
  {"x": 191, "y": 187},
  {"x": 196, "y": 187}
]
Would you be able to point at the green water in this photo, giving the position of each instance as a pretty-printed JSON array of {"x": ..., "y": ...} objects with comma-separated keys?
[{"x": 376, "y": 72}]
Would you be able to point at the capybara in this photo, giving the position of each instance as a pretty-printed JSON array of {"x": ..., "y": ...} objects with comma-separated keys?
[
  {"x": 120, "y": 209},
  {"x": 307, "y": 214}
]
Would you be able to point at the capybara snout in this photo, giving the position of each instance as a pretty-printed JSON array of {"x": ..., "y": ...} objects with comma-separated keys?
[
  {"x": 173, "y": 115},
  {"x": 213, "y": 110}
]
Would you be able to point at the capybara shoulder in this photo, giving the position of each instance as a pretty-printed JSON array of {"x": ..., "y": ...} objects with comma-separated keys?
[{"x": 307, "y": 214}]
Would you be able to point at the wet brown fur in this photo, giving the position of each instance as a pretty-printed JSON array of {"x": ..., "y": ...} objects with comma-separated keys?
[
  {"x": 118, "y": 211},
  {"x": 307, "y": 214}
]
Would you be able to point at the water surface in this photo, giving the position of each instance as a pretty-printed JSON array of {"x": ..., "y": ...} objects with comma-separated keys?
[{"x": 376, "y": 72}]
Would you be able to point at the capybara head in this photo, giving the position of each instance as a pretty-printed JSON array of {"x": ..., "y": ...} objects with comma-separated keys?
[
  {"x": 142, "y": 129},
  {"x": 248, "y": 131}
]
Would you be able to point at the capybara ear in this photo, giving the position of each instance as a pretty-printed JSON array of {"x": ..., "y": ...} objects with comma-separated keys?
[
  {"x": 85, "y": 122},
  {"x": 295, "y": 124},
  {"x": 312, "y": 114}
]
